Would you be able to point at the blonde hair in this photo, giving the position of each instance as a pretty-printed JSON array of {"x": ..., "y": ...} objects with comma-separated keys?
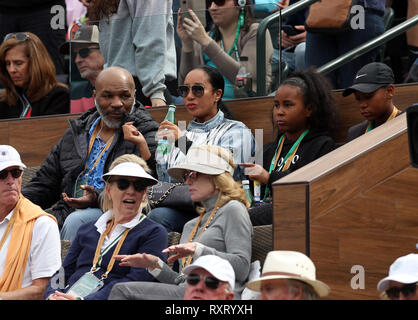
[
  {"x": 107, "y": 203},
  {"x": 228, "y": 188}
]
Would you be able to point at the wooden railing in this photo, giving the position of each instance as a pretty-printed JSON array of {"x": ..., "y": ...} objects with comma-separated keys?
[{"x": 354, "y": 207}]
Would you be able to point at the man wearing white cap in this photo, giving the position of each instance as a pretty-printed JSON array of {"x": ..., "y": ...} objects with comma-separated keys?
[
  {"x": 288, "y": 275},
  {"x": 401, "y": 284},
  {"x": 210, "y": 278},
  {"x": 29, "y": 238}
]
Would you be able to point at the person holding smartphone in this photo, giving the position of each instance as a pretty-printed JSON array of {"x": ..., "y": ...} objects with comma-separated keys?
[
  {"x": 230, "y": 45},
  {"x": 293, "y": 37}
]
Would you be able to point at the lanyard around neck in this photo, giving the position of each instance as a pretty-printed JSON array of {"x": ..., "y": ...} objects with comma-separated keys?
[
  {"x": 100, "y": 253},
  {"x": 185, "y": 262},
  {"x": 234, "y": 47},
  {"x": 287, "y": 160},
  {"x": 91, "y": 143},
  {"x": 27, "y": 108},
  {"x": 393, "y": 115}
]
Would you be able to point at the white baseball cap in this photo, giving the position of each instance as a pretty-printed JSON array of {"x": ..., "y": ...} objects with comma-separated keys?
[
  {"x": 130, "y": 169},
  {"x": 9, "y": 157},
  {"x": 282, "y": 264},
  {"x": 220, "y": 268},
  {"x": 403, "y": 270}
]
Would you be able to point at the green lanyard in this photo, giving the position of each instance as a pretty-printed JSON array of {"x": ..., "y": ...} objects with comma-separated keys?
[
  {"x": 283, "y": 165},
  {"x": 234, "y": 47}
]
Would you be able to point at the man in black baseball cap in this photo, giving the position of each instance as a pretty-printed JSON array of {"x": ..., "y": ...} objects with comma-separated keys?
[{"x": 374, "y": 90}]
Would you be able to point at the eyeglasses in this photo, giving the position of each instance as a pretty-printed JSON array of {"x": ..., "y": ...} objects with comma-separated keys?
[
  {"x": 198, "y": 90},
  {"x": 20, "y": 36},
  {"x": 16, "y": 173},
  {"x": 407, "y": 291},
  {"x": 210, "y": 282},
  {"x": 124, "y": 184},
  {"x": 84, "y": 52},
  {"x": 192, "y": 175},
  {"x": 219, "y": 3}
]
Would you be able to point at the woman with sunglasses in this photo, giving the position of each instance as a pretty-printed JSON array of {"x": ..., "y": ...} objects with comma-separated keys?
[
  {"x": 222, "y": 228},
  {"x": 89, "y": 268},
  {"x": 27, "y": 75},
  {"x": 230, "y": 45},
  {"x": 202, "y": 92}
]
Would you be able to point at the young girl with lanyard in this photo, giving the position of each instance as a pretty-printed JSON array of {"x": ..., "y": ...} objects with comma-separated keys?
[
  {"x": 232, "y": 38},
  {"x": 304, "y": 112}
]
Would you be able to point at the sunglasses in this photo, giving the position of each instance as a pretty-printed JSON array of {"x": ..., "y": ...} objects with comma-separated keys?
[
  {"x": 84, "y": 52},
  {"x": 407, "y": 291},
  {"x": 198, "y": 90},
  {"x": 219, "y": 3},
  {"x": 192, "y": 175},
  {"x": 16, "y": 173},
  {"x": 210, "y": 282},
  {"x": 124, "y": 184},
  {"x": 20, "y": 36}
]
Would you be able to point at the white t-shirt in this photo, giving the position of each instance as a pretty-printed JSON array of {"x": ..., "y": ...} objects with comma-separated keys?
[{"x": 45, "y": 250}]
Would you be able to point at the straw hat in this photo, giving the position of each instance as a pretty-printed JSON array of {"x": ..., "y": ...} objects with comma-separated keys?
[{"x": 289, "y": 265}]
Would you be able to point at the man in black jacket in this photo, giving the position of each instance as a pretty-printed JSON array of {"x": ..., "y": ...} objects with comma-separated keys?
[{"x": 73, "y": 169}]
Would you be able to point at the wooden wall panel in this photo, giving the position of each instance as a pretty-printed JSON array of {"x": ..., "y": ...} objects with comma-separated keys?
[
  {"x": 4, "y": 133},
  {"x": 32, "y": 141},
  {"x": 335, "y": 188},
  {"x": 393, "y": 156},
  {"x": 290, "y": 226},
  {"x": 360, "y": 214}
]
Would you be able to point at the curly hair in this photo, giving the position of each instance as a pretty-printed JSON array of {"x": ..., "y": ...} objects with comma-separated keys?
[
  {"x": 317, "y": 92},
  {"x": 102, "y": 9}
]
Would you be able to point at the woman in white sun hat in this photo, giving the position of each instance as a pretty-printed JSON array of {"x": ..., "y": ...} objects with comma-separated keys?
[
  {"x": 223, "y": 228},
  {"x": 288, "y": 275},
  {"x": 89, "y": 269}
]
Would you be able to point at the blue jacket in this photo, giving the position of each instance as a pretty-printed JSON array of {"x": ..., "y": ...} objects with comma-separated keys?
[{"x": 146, "y": 237}]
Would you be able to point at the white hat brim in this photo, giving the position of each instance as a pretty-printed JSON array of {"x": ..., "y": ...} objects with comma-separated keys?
[
  {"x": 320, "y": 287},
  {"x": 11, "y": 163},
  {"x": 402, "y": 278},
  {"x": 177, "y": 172}
]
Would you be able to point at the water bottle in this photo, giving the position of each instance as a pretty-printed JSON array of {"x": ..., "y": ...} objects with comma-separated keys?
[
  {"x": 257, "y": 191},
  {"x": 164, "y": 147},
  {"x": 246, "y": 187},
  {"x": 243, "y": 81}
]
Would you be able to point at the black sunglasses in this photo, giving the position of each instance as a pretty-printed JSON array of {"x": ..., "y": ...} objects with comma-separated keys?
[
  {"x": 124, "y": 184},
  {"x": 219, "y": 3},
  {"x": 192, "y": 175},
  {"x": 210, "y": 282},
  {"x": 198, "y": 90},
  {"x": 20, "y": 36},
  {"x": 84, "y": 52},
  {"x": 16, "y": 173},
  {"x": 407, "y": 291}
]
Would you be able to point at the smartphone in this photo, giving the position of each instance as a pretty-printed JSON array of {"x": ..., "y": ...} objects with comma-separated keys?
[
  {"x": 184, "y": 9},
  {"x": 198, "y": 8},
  {"x": 290, "y": 30}
]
